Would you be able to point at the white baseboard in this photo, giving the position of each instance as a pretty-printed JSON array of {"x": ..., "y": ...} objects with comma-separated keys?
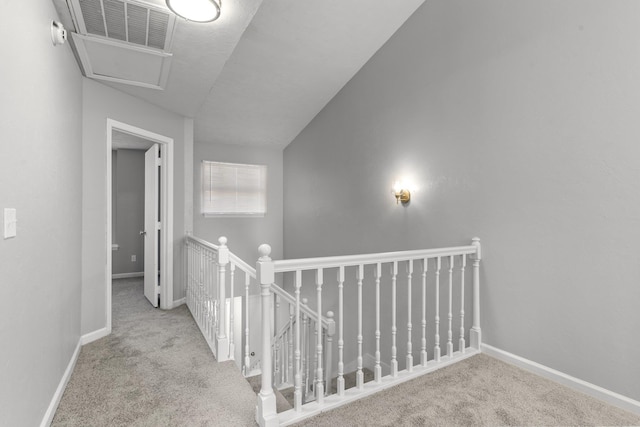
[
  {"x": 127, "y": 275},
  {"x": 95, "y": 335},
  {"x": 577, "y": 384},
  {"x": 55, "y": 400},
  {"x": 179, "y": 302}
]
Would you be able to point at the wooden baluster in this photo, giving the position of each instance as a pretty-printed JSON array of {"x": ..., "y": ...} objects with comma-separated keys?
[
  {"x": 196, "y": 281},
  {"x": 290, "y": 339},
  {"x": 276, "y": 341},
  {"x": 313, "y": 348},
  {"x": 377, "y": 369},
  {"x": 206, "y": 267},
  {"x": 194, "y": 288},
  {"x": 223, "y": 340},
  {"x": 409, "y": 323},
  {"x": 285, "y": 356},
  {"x": 340, "y": 381},
  {"x": 328, "y": 353},
  {"x": 232, "y": 346},
  {"x": 206, "y": 297},
  {"x": 319, "y": 373},
  {"x": 247, "y": 327},
  {"x": 436, "y": 350},
  {"x": 305, "y": 348},
  {"x": 208, "y": 312},
  {"x": 190, "y": 262},
  {"x": 188, "y": 266},
  {"x": 461, "y": 343},
  {"x": 359, "y": 372},
  {"x": 187, "y": 246},
  {"x": 266, "y": 408},
  {"x": 423, "y": 346},
  {"x": 475, "y": 333},
  {"x": 394, "y": 349},
  {"x": 297, "y": 393},
  {"x": 199, "y": 281},
  {"x": 198, "y": 287},
  {"x": 450, "y": 315}
]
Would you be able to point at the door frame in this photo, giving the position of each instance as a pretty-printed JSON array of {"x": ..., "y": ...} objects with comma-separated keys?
[{"x": 166, "y": 212}]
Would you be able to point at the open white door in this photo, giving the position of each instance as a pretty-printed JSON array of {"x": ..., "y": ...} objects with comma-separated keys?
[{"x": 151, "y": 164}]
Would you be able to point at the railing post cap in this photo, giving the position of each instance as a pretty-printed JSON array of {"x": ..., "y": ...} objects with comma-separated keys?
[
  {"x": 330, "y": 314},
  {"x": 222, "y": 240},
  {"x": 476, "y": 242},
  {"x": 264, "y": 250},
  {"x": 305, "y": 300}
]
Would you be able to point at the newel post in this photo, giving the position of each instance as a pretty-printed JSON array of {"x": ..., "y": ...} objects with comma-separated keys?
[
  {"x": 222, "y": 340},
  {"x": 266, "y": 407},
  {"x": 475, "y": 334}
]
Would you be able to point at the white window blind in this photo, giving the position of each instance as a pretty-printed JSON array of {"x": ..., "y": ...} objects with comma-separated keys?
[{"x": 233, "y": 189}]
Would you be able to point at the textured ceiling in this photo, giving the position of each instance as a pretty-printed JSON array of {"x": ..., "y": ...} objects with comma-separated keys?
[
  {"x": 261, "y": 72},
  {"x": 200, "y": 52},
  {"x": 291, "y": 60}
]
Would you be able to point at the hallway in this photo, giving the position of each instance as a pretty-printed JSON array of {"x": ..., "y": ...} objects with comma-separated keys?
[{"x": 154, "y": 369}]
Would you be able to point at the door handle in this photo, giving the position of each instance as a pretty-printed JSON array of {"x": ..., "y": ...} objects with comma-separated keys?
[{"x": 143, "y": 233}]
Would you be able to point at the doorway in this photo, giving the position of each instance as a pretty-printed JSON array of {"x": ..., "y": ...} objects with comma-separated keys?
[{"x": 164, "y": 230}]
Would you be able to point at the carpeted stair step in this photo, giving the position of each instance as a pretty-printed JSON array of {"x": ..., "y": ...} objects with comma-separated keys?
[
  {"x": 282, "y": 403},
  {"x": 287, "y": 393}
]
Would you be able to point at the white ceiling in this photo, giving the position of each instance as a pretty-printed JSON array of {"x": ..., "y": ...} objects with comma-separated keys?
[{"x": 261, "y": 72}]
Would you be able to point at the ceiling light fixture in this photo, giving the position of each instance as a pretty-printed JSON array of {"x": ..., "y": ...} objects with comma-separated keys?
[{"x": 196, "y": 10}]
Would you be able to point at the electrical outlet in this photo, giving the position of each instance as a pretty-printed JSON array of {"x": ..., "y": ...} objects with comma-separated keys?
[{"x": 133, "y": 258}]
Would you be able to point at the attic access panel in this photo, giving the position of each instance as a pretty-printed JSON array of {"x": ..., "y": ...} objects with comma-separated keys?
[{"x": 123, "y": 41}]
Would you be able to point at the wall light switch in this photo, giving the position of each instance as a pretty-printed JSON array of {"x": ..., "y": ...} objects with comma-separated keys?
[
  {"x": 10, "y": 223},
  {"x": 133, "y": 258}
]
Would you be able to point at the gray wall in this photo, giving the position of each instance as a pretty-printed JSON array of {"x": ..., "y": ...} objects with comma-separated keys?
[
  {"x": 99, "y": 103},
  {"x": 128, "y": 210},
  {"x": 245, "y": 234},
  {"x": 40, "y": 176},
  {"x": 517, "y": 122}
]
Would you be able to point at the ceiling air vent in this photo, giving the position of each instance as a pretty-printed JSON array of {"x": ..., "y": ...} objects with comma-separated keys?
[{"x": 124, "y": 41}]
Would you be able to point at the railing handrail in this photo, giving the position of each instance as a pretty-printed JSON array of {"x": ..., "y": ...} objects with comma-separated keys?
[
  {"x": 279, "y": 334},
  {"x": 239, "y": 262},
  {"x": 287, "y": 265},
  {"x": 252, "y": 273},
  {"x": 303, "y": 307},
  {"x": 202, "y": 242}
]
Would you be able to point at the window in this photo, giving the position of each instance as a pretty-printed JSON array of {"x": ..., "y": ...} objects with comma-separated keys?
[{"x": 233, "y": 189}]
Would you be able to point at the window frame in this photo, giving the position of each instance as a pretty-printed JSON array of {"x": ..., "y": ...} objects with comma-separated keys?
[{"x": 233, "y": 214}]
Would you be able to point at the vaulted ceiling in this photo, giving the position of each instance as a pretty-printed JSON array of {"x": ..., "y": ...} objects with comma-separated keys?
[{"x": 261, "y": 72}]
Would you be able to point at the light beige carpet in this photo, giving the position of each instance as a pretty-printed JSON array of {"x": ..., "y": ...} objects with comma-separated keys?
[
  {"x": 479, "y": 391},
  {"x": 155, "y": 369}
]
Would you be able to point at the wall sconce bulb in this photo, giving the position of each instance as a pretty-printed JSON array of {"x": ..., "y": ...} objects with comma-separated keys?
[{"x": 403, "y": 196}]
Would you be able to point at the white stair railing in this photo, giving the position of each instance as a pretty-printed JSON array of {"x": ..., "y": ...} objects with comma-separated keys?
[
  {"x": 212, "y": 273},
  {"x": 282, "y": 346},
  {"x": 374, "y": 274}
]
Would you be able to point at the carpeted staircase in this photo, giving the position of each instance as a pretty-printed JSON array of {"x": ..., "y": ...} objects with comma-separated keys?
[{"x": 284, "y": 396}]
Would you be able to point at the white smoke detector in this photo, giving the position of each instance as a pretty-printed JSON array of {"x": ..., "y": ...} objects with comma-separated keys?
[{"x": 58, "y": 33}]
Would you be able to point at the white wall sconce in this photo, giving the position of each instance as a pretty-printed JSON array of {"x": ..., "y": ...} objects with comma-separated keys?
[
  {"x": 58, "y": 33},
  {"x": 402, "y": 194},
  {"x": 196, "y": 10}
]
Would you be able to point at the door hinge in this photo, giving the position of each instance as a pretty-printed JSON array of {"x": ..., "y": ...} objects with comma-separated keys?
[
  {"x": 158, "y": 226},
  {"x": 158, "y": 161},
  {"x": 158, "y": 289}
]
